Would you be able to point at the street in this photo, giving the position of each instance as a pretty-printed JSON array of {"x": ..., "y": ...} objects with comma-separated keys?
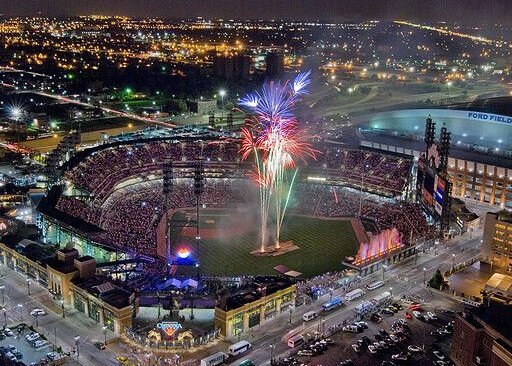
[{"x": 403, "y": 278}]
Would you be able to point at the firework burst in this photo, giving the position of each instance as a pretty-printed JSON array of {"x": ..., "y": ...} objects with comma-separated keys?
[{"x": 274, "y": 138}]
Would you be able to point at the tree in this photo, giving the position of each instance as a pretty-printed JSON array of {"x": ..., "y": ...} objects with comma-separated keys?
[
  {"x": 437, "y": 281},
  {"x": 175, "y": 106}
]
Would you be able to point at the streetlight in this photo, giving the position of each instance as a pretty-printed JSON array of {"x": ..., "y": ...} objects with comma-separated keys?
[
  {"x": 291, "y": 311},
  {"x": 2, "y": 287},
  {"x": 424, "y": 275},
  {"x": 453, "y": 261},
  {"x": 77, "y": 344},
  {"x": 391, "y": 291},
  {"x": 5, "y": 318},
  {"x": 222, "y": 94},
  {"x": 384, "y": 267},
  {"x": 272, "y": 353},
  {"x": 62, "y": 307},
  {"x": 28, "y": 286},
  {"x": 105, "y": 334},
  {"x": 361, "y": 191}
]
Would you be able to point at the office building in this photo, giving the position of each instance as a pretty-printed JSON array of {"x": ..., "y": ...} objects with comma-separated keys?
[{"x": 497, "y": 240}]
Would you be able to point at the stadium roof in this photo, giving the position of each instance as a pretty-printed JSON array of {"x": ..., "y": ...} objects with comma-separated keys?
[
  {"x": 498, "y": 105},
  {"x": 455, "y": 152}
]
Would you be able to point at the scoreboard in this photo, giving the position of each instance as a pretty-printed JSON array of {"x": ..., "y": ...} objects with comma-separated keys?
[{"x": 431, "y": 189}]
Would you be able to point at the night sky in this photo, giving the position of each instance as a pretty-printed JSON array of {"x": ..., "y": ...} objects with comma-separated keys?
[{"x": 468, "y": 11}]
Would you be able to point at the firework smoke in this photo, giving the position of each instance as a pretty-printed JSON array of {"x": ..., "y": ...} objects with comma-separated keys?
[{"x": 274, "y": 138}]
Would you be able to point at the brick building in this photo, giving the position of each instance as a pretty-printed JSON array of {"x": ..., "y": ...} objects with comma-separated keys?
[{"x": 483, "y": 337}]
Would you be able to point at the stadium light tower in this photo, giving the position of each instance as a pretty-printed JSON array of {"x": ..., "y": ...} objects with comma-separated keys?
[
  {"x": 15, "y": 112},
  {"x": 222, "y": 94},
  {"x": 167, "y": 190}
]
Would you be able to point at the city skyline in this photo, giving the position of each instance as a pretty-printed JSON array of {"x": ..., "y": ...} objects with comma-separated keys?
[{"x": 467, "y": 11}]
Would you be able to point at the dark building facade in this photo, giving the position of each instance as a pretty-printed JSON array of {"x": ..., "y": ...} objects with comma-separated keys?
[
  {"x": 274, "y": 64},
  {"x": 236, "y": 67},
  {"x": 483, "y": 337}
]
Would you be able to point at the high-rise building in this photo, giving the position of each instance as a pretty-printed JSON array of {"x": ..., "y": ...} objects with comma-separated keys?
[
  {"x": 483, "y": 337},
  {"x": 237, "y": 67},
  {"x": 497, "y": 240},
  {"x": 274, "y": 64}
]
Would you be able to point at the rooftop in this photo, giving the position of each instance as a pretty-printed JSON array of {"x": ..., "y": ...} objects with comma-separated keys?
[
  {"x": 498, "y": 105},
  {"x": 62, "y": 266},
  {"x": 456, "y": 153},
  {"x": 103, "y": 288},
  {"x": 258, "y": 288},
  {"x": 504, "y": 215},
  {"x": 498, "y": 317}
]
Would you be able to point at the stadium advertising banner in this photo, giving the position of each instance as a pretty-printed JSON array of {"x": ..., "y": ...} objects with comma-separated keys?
[{"x": 439, "y": 191}]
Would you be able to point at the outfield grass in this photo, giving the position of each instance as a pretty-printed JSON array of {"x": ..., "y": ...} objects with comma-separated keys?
[{"x": 324, "y": 244}]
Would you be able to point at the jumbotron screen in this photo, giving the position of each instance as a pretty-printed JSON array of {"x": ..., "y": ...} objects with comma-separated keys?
[{"x": 430, "y": 189}]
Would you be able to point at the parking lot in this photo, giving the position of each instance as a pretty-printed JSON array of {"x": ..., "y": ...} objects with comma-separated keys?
[
  {"x": 15, "y": 343},
  {"x": 412, "y": 343}
]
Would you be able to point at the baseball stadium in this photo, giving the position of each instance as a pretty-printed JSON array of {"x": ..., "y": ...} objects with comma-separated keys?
[{"x": 110, "y": 204}]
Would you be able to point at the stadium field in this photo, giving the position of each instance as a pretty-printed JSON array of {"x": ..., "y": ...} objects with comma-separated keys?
[{"x": 323, "y": 244}]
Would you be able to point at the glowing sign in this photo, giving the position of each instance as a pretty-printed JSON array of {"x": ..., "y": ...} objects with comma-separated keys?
[
  {"x": 183, "y": 252},
  {"x": 170, "y": 328}
]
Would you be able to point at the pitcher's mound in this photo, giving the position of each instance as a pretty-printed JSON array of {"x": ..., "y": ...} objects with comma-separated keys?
[{"x": 272, "y": 251}]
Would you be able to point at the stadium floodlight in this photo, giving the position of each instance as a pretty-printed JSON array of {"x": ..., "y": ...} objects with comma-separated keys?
[{"x": 15, "y": 112}]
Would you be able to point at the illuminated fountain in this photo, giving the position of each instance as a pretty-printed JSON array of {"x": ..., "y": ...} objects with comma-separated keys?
[{"x": 380, "y": 245}]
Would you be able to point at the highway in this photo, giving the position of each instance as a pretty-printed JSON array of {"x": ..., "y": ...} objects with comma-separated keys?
[{"x": 63, "y": 99}]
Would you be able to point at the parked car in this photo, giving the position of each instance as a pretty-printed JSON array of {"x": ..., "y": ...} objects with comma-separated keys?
[
  {"x": 305, "y": 352},
  {"x": 99, "y": 345},
  {"x": 52, "y": 356},
  {"x": 439, "y": 355},
  {"x": 356, "y": 348},
  {"x": 432, "y": 315},
  {"x": 400, "y": 356},
  {"x": 31, "y": 337},
  {"x": 8, "y": 332},
  {"x": 414, "y": 348},
  {"x": 394, "y": 338},
  {"x": 376, "y": 318},
  {"x": 416, "y": 313},
  {"x": 40, "y": 343},
  {"x": 364, "y": 325},
  {"x": 372, "y": 349},
  {"x": 37, "y": 312}
]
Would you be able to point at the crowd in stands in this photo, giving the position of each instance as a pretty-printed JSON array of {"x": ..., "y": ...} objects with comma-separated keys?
[
  {"x": 330, "y": 201},
  {"x": 385, "y": 173},
  {"x": 129, "y": 215},
  {"x": 102, "y": 170}
]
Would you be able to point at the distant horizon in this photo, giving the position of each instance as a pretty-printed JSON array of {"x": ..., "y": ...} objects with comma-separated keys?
[
  {"x": 467, "y": 12},
  {"x": 190, "y": 18}
]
